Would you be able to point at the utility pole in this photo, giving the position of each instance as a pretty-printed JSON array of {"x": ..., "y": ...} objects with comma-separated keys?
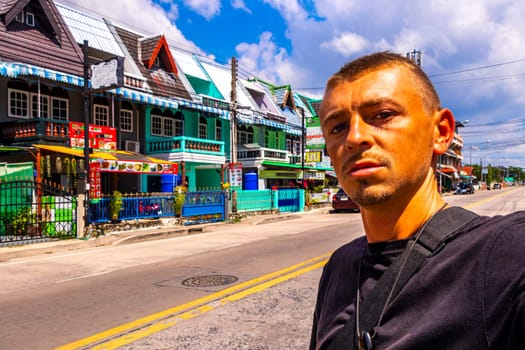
[
  {"x": 86, "y": 97},
  {"x": 415, "y": 56},
  {"x": 233, "y": 109},
  {"x": 233, "y": 130}
]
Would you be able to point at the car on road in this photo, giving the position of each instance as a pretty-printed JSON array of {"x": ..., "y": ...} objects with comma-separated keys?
[
  {"x": 342, "y": 202},
  {"x": 496, "y": 186},
  {"x": 464, "y": 188}
]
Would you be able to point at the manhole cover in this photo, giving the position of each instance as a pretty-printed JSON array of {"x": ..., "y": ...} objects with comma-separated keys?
[{"x": 209, "y": 281}]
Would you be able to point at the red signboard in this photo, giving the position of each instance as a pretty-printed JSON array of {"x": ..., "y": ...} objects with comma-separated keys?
[{"x": 100, "y": 137}]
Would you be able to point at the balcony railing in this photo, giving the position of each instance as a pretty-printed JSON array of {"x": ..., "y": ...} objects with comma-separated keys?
[
  {"x": 185, "y": 144},
  {"x": 31, "y": 130},
  {"x": 262, "y": 153}
]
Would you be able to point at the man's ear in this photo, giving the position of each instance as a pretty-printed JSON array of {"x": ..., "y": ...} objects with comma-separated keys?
[{"x": 444, "y": 130}]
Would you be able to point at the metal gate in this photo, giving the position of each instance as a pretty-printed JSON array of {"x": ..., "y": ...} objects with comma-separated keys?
[
  {"x": 290, "y": 200},
  {"x": 203, "y": 206},
  {"x": 33, "y": 212}
]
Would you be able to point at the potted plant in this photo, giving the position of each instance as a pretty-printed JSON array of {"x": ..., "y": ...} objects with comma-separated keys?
[
  {"x": 180, "y": 196},
  {"x": 115, "y": 205}
]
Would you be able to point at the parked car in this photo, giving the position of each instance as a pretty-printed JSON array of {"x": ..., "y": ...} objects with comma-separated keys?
[
  {"x": 341, "y": 202},
  {"x": 464, "y": 188},
  {"x": 496, "y": 186}
]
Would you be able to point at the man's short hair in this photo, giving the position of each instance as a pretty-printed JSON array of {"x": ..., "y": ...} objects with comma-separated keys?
[{"x": 364, "y": 64}]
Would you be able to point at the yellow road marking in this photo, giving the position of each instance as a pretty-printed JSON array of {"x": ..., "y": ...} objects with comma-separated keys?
[
  {"x": 228, "y": 294},
  {"x": 488, "y": 199}
]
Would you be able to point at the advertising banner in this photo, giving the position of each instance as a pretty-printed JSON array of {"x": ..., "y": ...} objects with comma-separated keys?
[{"x": 100, "y": 137}]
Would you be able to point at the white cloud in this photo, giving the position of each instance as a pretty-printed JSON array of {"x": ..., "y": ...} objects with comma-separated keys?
[
  {"x": 206, "y": 8},
  {"x": 240, "y": 5},
  {"x": 268, "y": 60},
  {"x": 346, "y": 44}
]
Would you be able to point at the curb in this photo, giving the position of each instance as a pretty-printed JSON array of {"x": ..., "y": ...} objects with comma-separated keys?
[{"x": 128, "y": 237}]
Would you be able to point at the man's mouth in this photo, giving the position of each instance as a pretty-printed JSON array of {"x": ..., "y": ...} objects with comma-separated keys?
[{"x": 364, "y": 168}]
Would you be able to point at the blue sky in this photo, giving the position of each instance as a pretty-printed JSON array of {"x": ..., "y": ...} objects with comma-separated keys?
[{"x": 474, "y": 51}]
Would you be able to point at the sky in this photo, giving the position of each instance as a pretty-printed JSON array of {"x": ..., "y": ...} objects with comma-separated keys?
[{"x": 473, "y": 51}]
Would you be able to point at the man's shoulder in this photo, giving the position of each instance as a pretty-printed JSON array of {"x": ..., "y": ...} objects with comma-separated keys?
[{"x": 353, "y": 250}]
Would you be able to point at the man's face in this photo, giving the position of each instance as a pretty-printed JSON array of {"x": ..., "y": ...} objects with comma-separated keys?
[{"x": 379, "y": 135}]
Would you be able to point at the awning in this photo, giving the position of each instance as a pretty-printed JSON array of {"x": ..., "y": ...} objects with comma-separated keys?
[
  {"x": 13, "y": 70},
  {"x": 119, "y": 161}
]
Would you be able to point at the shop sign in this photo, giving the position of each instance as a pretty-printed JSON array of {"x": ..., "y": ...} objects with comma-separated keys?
[
  {"x": 312, "y": 157},
  {"x": 137, "y": 167},
  {"x": 100, "y": 137},
  {"x": 314, "y": 134},
  {"x": 314, "y": 176},
  {"x": 236, "y": 174},
  {"x": 279, "y": 174}
]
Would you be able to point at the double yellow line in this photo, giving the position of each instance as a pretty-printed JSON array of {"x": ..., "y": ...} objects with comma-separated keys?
[{"x": 130, "y": 332}]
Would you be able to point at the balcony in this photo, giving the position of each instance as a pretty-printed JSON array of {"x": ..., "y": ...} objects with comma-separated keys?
[
  {"x": 28, "y": 131},
  {"x": 181, "y": 144},
  {"x": 254, "y": 152}
]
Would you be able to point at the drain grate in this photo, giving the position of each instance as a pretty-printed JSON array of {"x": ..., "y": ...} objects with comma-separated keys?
[{"x": 209, "y": 281}]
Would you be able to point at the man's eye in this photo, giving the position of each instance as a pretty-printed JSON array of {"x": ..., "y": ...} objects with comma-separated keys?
[
  {"x": 383, "y": 115},
  {"x": 338, "y": 128}
]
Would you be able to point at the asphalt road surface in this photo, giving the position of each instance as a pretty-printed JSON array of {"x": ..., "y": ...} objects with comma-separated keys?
[{"x": 239, "y": 286}]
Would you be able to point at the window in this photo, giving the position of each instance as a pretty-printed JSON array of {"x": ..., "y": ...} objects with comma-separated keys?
[
  {"x": 156, "y": 125},
  {"x": 245, "y": 135},
  {"x": 20, "y": 17},
  {"x": 266, "y": 139},
  {"x": 59, "y": 108},
  {"x": 30, "y": 19},
  {"x": 126, "y": 120},
  {"x": 289, "y": 145},
  {"x": 203, "y": 128},
  {"x": 165, "y": 126},
  {"x": 169, "y": 127},
  {"x": 297, "y": 146},
  {"x": 179, "y": 124},
  {"x": 18, "y": 104},
  {"x": 218, "y": 130},
  {"x": 101, "y": 115},
  {"x": 42, "y": 110},
  {"x": 277, "y": 141}
]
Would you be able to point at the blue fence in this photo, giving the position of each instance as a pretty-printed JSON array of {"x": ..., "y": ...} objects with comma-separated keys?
[
  {"x": 199, "y": 206},
  {"x": 203, "y": 206},
  {"x": 133, "y": 207}
]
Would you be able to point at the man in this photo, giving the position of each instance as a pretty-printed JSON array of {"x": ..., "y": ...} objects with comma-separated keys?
[{"x": 384, "y": 129}]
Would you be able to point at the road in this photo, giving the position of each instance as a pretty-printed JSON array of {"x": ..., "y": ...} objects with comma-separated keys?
[{"x": 239, "y": 286}]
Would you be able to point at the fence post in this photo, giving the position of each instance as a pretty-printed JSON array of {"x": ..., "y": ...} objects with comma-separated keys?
[
  {"x": 301, "y": 200},
  {"x": 226, "y": 205},
  {"x": 81, "y": 211}
]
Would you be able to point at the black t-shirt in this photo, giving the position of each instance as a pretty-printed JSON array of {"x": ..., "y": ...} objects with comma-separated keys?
[{"x": 469, "y": 295}]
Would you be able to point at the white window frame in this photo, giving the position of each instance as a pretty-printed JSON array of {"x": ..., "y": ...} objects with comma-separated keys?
[
  {"x": 20, "y": 101},
  {"x": 101, "y": 115},
  {"x": 44, "y": 106},
  {"x": 56, "y": 112},
  {"x": 30, "y": 19},
  {"x": 156, "y": 124},
  {"x": 126, "y": 120},
  {"x": 168, "y": 127},
  {"x": 203, "y": 129},
  {"x": 20, "y": 17}
]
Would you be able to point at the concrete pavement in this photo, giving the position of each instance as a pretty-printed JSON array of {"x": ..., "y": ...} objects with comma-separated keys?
[{"x": 166, "y": 230}]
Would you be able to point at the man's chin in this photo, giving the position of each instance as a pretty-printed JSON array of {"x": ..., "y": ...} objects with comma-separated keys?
[{"x": 371, "y": 196}]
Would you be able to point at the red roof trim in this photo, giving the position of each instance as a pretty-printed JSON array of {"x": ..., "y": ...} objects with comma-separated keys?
[{"x": 163, "y": 44}]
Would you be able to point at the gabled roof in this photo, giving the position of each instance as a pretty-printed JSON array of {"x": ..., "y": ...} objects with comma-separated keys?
[
  {"x": 13, "y": 9},
  {"x": 48, "y": 44},
  {"x": 281, "y": 93},
  {"x": 161, "y": 81},
  {"x": 154, "y": 48}
]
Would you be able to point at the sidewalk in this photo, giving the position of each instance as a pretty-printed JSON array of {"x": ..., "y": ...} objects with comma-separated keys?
[{"x": 167, "y": 230}]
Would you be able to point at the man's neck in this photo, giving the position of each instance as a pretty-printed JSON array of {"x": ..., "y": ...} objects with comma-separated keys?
[{"x": 400, "y": 220}]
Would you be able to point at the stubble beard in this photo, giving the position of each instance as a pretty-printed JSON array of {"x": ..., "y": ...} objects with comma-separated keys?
[{"x": 366, "y": 195}]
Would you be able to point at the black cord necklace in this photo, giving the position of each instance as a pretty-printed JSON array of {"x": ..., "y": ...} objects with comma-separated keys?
[{"x": 364, "y": 337}]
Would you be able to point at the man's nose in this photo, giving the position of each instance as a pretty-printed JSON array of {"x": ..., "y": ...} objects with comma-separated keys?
[{"x": 359, "y": 133}]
